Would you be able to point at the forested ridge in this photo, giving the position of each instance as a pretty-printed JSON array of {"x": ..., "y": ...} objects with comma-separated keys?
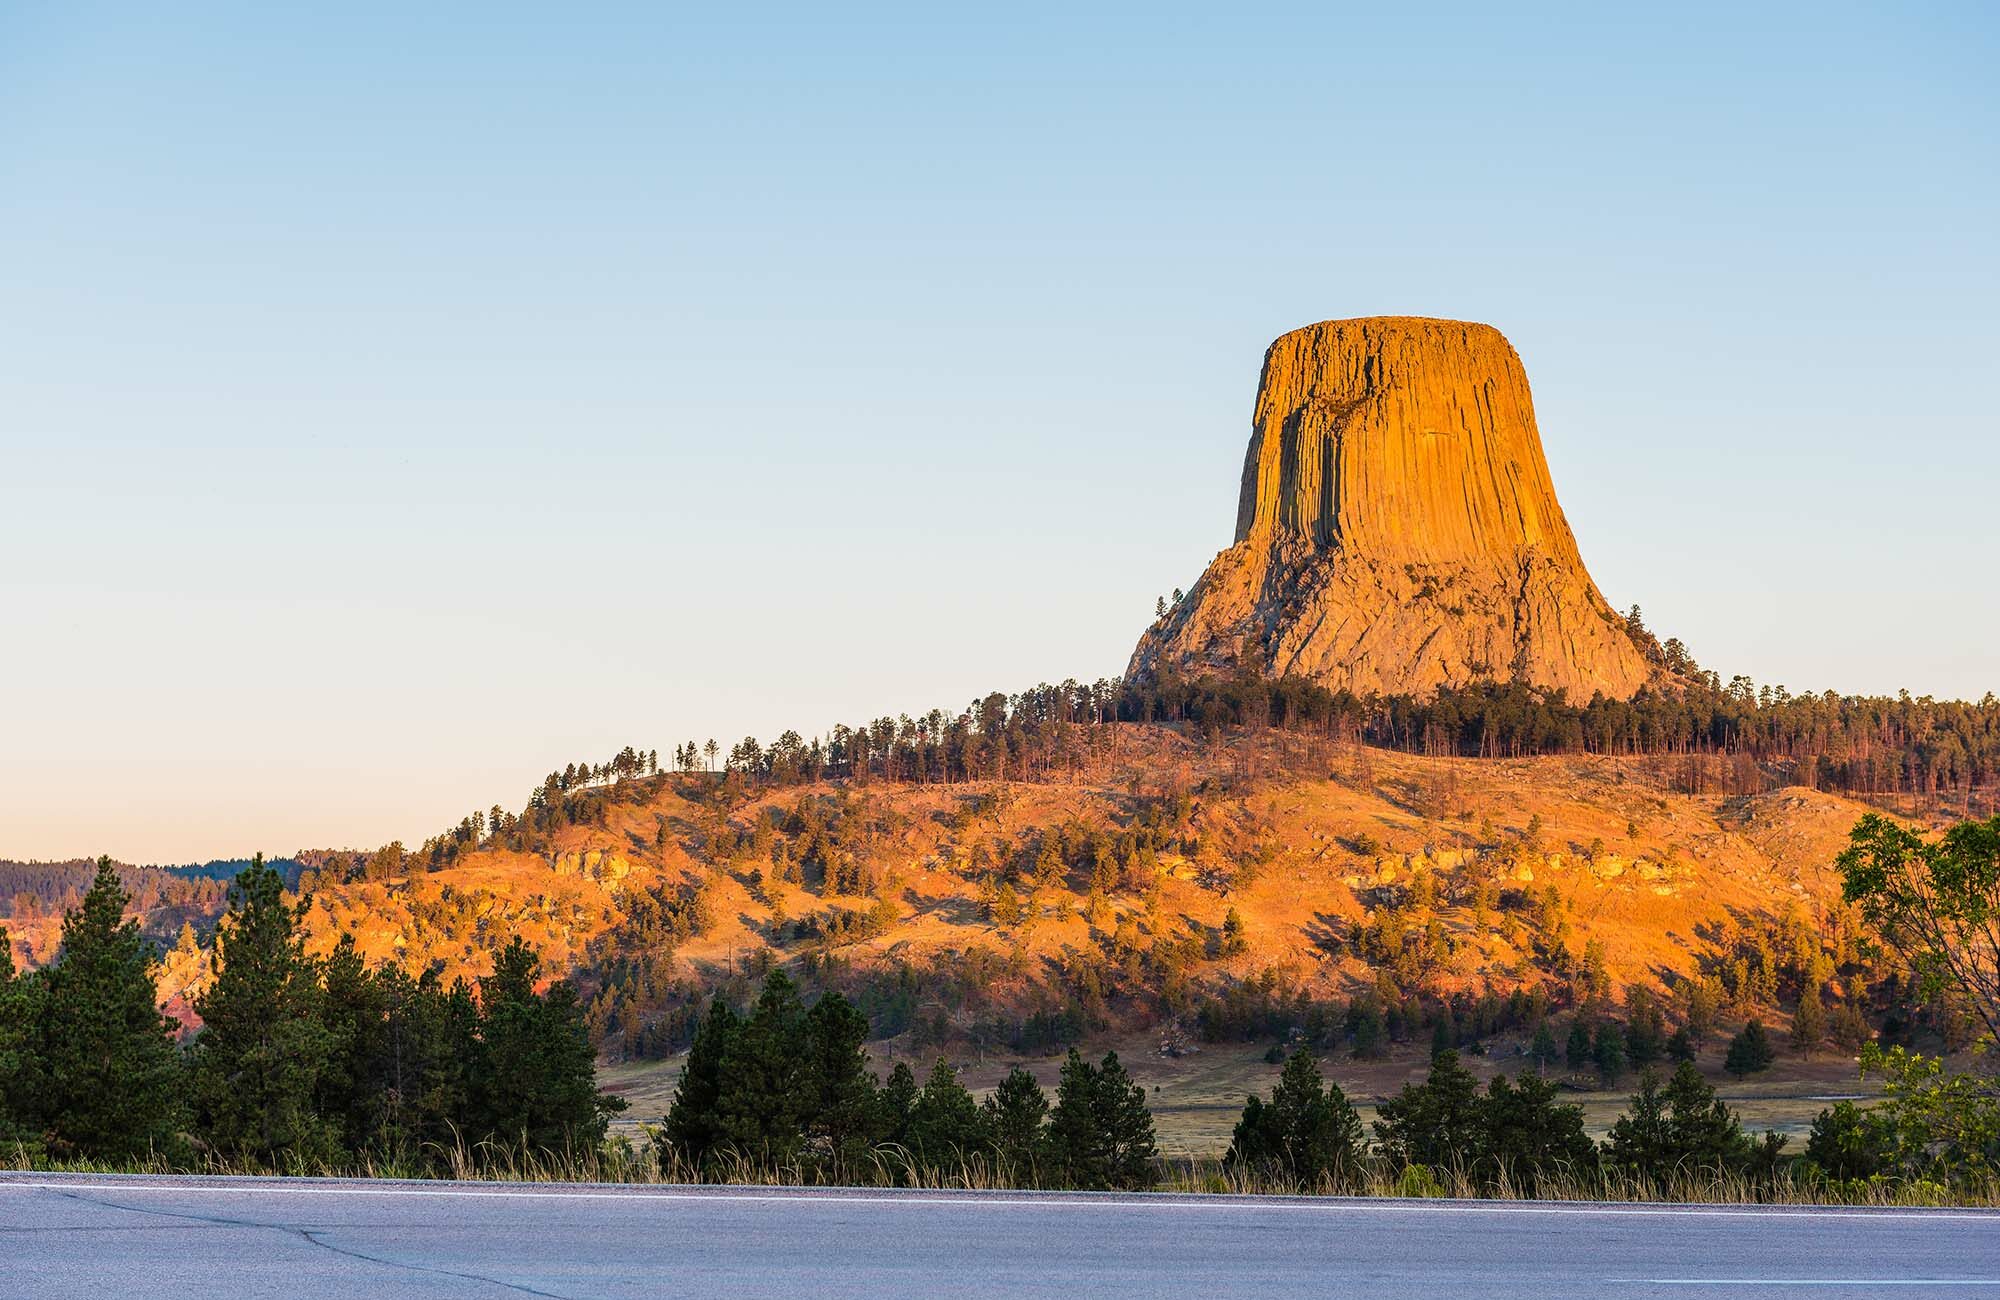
[{"x": 1765, "y": 736}]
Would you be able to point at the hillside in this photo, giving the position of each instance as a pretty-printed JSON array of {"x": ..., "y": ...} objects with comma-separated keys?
[{"x": 989, "y": 910}]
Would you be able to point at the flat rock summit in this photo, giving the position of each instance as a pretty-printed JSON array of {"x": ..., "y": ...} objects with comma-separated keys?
[{"x": 1397, "y": 529}]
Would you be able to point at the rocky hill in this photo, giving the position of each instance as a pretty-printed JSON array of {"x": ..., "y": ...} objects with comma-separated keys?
[
  {"x": 1397, "y": 529},
  {"x": 1162, "y": 878}
]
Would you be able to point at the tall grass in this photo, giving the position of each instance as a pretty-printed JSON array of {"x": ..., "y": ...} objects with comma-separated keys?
[{"x": 891, "y": 1167}]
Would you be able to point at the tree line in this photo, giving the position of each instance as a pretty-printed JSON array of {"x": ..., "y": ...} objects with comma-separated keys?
[
  {"x": 1855, "y": 744},
  {"x": 1513, "y": 1137},
  {"x": 787, "y": 1087},
  {"x": 298, "y": 1063}
]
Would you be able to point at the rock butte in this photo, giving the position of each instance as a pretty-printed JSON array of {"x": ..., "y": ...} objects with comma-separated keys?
[{"x": 1397, "y": 529}]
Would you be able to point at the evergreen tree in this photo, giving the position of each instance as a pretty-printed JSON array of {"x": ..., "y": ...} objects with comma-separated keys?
[
  {"x": 1639, "y": 1142},
  {"x": 353, "y": 1089},
  {"x": 1680, "y": 1047},
  {"x": 1527, "y": 1137},
  {"x": 1100, "y": 1132},
  {"x": 1809, "y": 1022},
  {"x": 1016, "y": 1116},
  {"x": 429, "y": 1040},
  {"x": 1750, "y": 1051},
  {"x": 693, "y": 1125},
  {"x": 843, "y": 1113},
  {"x": 1679, "y": 1129},
  {"x": 536, "y": 1078},
  {"x": 1576, "y": 1052},
  {"x": 111, "y": 1080},
  {"x": 1645, "y": 1026},
  {"x": 1128, "y": 1124},
  {"x": 264, "y": 1044},
  {"x": 1607, "y": 1051},
  {"x": 945, "y": 1122},
  {"x": 1309, "y": 1133},
  {"x": 1847, "y": 1142},
  {"x": 21, "y": 1066},
  {"x": 1364, "y": 1022},
  {"x": 1435, "y": 1123},
  {"x": 1542, "y": 1052},
  {"x": 765, "y": 1076},
  {"x": 897, "y": 1099}
]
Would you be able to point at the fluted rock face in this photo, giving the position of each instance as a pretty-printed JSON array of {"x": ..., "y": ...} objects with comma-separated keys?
[{"x": 1397, "y": 529}]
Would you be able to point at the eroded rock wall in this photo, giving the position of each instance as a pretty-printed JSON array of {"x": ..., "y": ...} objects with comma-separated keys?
[{"x": 1397, "y": 529}]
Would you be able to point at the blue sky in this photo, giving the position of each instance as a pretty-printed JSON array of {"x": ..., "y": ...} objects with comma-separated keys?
[{"x": 397, "y": 405}]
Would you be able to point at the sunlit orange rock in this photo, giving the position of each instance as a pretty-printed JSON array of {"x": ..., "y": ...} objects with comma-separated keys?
[{"x": 1397, "y": 529}]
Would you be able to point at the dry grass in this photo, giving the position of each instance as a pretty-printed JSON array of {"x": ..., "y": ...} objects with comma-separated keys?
[
  {"x": 618, "y": 1164},
  {"x": 1197, "y": 1099}
]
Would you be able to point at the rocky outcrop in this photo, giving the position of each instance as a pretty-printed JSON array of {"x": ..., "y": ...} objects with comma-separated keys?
[{"x": 1397, "y": 529}]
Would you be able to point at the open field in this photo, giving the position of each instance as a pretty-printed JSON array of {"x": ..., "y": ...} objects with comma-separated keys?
[{"x": 1196, "y": 1099}]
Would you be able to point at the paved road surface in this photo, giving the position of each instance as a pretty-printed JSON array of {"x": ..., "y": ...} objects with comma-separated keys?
[{"x": 154, "y": 1238}]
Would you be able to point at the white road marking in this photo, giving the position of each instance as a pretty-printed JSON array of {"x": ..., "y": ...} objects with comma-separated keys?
[
  {"x": 1805, "y": 1281},
  {"x": 1329, "y": 1204}
]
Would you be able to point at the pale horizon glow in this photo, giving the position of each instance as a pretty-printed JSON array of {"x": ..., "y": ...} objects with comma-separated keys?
[{"x": 398, "y": 404}]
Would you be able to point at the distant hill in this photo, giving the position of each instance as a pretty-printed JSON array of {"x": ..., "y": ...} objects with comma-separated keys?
[{"x": 34, "y": 896}]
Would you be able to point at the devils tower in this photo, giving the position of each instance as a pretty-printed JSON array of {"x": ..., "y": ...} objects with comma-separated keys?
[{"x": 1397, "y": 529}]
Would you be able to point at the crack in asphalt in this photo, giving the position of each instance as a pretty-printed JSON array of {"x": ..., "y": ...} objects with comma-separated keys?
[{"x": 311, "y": 1236}]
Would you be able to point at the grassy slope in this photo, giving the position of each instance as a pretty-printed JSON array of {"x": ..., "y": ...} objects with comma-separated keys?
[
  {"x": 1673, "y": 867},
  {"x": 1674, "y": 871}
]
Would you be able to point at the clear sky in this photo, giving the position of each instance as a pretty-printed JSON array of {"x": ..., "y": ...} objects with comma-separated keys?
[{"x": 398, "y": 401}]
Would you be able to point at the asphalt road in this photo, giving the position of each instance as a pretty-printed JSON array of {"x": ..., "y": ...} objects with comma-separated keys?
[{"x": 216, "y": 1239}]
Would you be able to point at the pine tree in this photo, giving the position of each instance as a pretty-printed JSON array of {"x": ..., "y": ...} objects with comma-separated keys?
[
  {"x": 1076, "y": 1144},
  {"x": 1527, "y": 1137},
  {"x": 1847, "y": 1142},
  {"x": 843, "y": 1112},
  {"x": 692, "y": 1129},
  {"x": 1100, "y": 1132},
  {"x": 1576, "y": 1052},
  {"x": 352, "y": 1089},
  {"x": 429, "y": 1040},
  {"x": 112, "y": 1080},
  {"x": 1364, "y": 1021},
  {"x": 1680, "y": 1047},
  {"x": 1309, "y": 1133},
  {"x": 945, "y": 1123},
  {"x": 264, "y": 1044},
  {"x": 535, "y": 1081},
  {"x": 1607, "y": 1051},
  {"x": 21, "y": 1065},
  {"x": 765, "y": 1076},
  {"x": 1435, "y": 1123},
  {"x": 894, "y": 1104},
  {"x": 1016, "y": 1116},
  {"x": 1128, "y": 1123},
  {"x": 1542, "y": 1052},
  {"x": 1750, "y": 1051},
  {"x": 1677, "y": 1130},
  {"x": 1809, "y": 1022},
  {"x": 1645, "y": 1026}
]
